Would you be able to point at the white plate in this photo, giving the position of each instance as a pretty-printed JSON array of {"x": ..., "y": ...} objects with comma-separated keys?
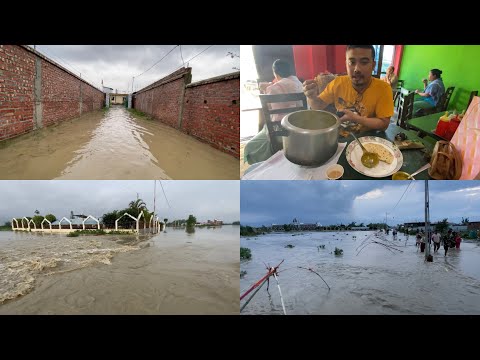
[{"x": 354, "y": 154}]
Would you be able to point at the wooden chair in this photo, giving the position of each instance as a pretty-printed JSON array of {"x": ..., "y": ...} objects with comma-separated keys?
[
  {"x": 442, "y": 104},
  {"x": 405, "y": 111},
  {"x": 274, "y": 128},
  {"x": 472, "y": 95}
]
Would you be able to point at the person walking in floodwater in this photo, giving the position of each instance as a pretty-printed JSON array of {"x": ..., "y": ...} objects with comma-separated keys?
[
  {"x": 436, "y": 241},
  {"x": 446, "y": 240},
  {"x": 418, "y": 238},
  {"x": 422, "y": 242},
  {"x": 458, "y": 240}
]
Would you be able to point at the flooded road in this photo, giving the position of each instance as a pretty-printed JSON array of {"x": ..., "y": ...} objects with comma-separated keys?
[
  {"x": 376, "y": 281},
  {"x": 169, "y": 273},
  {"x": 112, "y": 145}
]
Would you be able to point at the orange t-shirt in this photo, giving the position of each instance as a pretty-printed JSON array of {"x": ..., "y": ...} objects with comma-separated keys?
[{"x": 376, "y": 101}]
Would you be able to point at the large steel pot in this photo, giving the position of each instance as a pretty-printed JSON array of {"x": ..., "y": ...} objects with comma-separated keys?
[{"x": 310, "y": 137}]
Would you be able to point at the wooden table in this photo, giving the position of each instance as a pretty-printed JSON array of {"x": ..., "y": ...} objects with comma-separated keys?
[
  {"x": 426, "y": 124},
  {"x": 413, "y": 159}
]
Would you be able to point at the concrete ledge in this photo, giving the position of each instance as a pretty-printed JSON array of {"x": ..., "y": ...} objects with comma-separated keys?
[{"x": 230, "y": 76}]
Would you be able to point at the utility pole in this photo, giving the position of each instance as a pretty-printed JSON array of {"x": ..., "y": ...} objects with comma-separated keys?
[
  {"x": 427, "y": 221},
  {"x": 133, "y": 79},
  {"x": 154, "y": 195}
]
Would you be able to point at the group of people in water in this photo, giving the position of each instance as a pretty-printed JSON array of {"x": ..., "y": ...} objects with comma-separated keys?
[{"x": 450, "y": 239}]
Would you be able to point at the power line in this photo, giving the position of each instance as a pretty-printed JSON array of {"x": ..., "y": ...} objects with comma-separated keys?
[
  {"x": 409, "y": 183},
  {"x": 164, "y": 194},
  {"x": 158, "y": 61},
  {"x": 200, "y": 53}
]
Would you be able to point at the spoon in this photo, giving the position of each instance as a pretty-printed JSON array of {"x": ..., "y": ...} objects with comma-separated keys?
[
  {"x": 368, "y": 159},
  {"x": 423, "y": 168}
]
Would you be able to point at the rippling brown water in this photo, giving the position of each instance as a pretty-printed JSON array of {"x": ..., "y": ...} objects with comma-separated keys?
[
  {"x": 112, "y": 145},
  {"x": 169, "y": 273}
]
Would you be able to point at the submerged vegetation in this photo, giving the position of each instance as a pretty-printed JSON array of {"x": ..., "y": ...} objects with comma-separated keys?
[{"x": 245, "y": 253}]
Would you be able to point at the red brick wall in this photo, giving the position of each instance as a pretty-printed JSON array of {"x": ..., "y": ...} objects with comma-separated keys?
[
  {"x": 60, "y": 93},
  {"x": 162, "y": 102},
  {"x": 17, "y": 75},
  {"x": 211, "y": 108},
  {"x": 212, "y": 113}
]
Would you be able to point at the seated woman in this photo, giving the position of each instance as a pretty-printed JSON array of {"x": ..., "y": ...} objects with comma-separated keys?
[
  {"x": 390, "y": 78},
  {"x": 431, "y": 94},
  {"x": 259, "y": 149}
]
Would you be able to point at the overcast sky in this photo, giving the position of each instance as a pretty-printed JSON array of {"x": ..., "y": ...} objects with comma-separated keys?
[
  {"x": 117, "y": 64},
  {"x": 205, "y": 199},
  {"x": 334, "y": 202}
]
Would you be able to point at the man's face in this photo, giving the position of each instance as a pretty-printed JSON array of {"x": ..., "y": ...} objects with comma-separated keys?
[{"x": 360, "y": 65}]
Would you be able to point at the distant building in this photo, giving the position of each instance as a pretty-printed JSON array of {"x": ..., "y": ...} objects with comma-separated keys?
[
  {"x": 215, "y": 222},
  {"x": 118, "y": 99}
]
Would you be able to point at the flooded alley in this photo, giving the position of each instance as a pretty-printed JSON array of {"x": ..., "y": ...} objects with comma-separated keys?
[
  {"x": 168, "y": 273},
  {"x": 112, "y": 144},
  {"x": 376, "y": 281}
]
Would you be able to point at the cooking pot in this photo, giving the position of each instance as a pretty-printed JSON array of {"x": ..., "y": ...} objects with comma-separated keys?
[{"x": 310, "y": 137}]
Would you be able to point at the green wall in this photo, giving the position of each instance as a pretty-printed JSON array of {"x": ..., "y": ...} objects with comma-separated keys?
[{"x": 460, "y": 65}]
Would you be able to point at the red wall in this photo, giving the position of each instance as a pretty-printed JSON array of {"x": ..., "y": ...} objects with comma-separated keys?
[
  {"x": 162, "y": 102},
  {"x": 17, "y": 75},
  {"x": 211, "y": 108},
  {"x": 310, "y": 60},
  {"x": 60, "y": 92},
  {"x": 212, "y": 113}
]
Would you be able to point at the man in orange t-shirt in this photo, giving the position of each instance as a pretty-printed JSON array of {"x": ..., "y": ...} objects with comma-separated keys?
[{"x": 363, "y": 99}]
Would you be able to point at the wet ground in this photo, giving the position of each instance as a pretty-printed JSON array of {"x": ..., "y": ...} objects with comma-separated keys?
[
  {"x": 170, "y": 273},
  {"x": 112, "y": 145},
  {"x": 376, "y": 281}
]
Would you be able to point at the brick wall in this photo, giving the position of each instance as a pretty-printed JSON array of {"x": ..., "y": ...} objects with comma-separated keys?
[
  {"x": 210, "y": 110},
  {"x": 59, "y": 92},
  {"x": 17, "y": 73}
]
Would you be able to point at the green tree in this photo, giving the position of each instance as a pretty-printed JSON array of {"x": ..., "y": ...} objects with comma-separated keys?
[
  {"x": 8, "y": 224},
  {"x": 37, "y": 219},
  {"x": 192, "y": 220},
  {"x": 138, "y": 204},
  {"x": 465, "y": 221},
  {"x": 442, "y": 226},
  {"x": 108, "y": 219},
  {"x": 36, "y": 212},
  {"x": 50, "y": 217}
]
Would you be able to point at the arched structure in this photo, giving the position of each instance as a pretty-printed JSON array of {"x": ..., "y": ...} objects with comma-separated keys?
[
  {"x": 116, "y": 221},
  {"x": 49, "y": 223},
  {"x": 60, "y": 223},
  {"x": 91, "y": 217}
]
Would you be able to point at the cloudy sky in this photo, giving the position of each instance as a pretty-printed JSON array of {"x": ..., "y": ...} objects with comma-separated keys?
[
  {"x": 205, "y": 199},
  {"x": 117, "y": 64},
  {"x": 334, "y": 202}
]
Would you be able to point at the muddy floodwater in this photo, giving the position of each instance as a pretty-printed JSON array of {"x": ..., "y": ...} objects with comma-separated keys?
[
  {"x": 168, "y": 273},
  {"x": 112, "y": 145},
  {"x": 376, "y": 281}
]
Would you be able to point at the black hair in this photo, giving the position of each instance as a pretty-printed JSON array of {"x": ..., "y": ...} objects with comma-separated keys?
[
  {"x": 363, "y": 47},
  {"x": 282, "y": 68},
  {"x": 436, "y": 72}
]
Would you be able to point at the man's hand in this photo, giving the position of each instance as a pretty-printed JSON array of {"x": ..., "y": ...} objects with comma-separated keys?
[
  {"x": 349, "y": 115},
  {"x": 310, "y": 89}
]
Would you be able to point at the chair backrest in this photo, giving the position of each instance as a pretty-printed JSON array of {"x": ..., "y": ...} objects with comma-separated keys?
[
  {"x": 472, "y": 95},
  {"x": 442, "y": 104},
  {"x": 405, "y": 109},
  {"x": 273, "y": 131}
]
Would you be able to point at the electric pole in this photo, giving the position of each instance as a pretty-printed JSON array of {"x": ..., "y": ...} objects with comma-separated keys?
[
  {"x": 154, "y": 194},
  {"x": 427, "y": 221}
]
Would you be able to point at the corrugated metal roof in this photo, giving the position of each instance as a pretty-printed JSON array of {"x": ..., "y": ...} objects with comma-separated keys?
[{"x": 76, "y": 221}]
